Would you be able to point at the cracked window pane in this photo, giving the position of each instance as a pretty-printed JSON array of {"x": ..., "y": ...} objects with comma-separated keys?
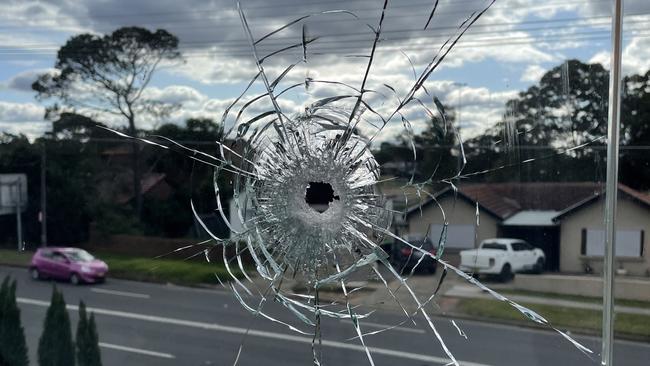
[{"x": 308, "y": 189}]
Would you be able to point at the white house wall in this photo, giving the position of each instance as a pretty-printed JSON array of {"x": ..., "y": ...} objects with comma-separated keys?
[
  {"x": 458, "y": 212},
  {"x": 630, "y": 216}
]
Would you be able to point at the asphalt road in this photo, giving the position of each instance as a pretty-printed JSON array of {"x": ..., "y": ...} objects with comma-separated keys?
[{"x": 151, "y": 324}]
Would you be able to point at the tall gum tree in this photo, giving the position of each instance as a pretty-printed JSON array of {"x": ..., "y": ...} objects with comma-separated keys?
[{"x": 108, "y": 74}]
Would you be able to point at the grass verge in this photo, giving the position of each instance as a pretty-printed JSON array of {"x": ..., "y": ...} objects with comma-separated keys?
[
  {"x": 166, "y": 270},
  {"x": 588, "y": 299},
  {"x": 15, "y": 258},
  {"x": 631, "y": 325},
  {"x": 145, "y": 269}
]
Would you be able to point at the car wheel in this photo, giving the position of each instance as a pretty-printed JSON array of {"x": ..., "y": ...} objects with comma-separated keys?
[
  {"x": 539, "y": 266},
  {"x": 34, "y": 274},
  {"x": 74, "y": 279},
  {"x": 506, "y": 273}
]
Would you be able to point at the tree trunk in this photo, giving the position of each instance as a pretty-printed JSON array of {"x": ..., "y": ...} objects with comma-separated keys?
[{"x": 137, "y": 186}]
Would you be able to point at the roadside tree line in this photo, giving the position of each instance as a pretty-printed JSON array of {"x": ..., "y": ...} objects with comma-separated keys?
[{"x": 567, "y": 108}]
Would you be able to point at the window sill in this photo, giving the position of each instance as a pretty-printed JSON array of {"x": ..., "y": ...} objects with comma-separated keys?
[{"x": 620, "y": 259}]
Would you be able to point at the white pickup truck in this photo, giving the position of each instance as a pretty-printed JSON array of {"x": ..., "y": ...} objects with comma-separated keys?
[{"x": 502, "y": 257}]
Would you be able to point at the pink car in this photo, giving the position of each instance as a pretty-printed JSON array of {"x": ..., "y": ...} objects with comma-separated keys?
[{"x": 74, "y": 264}]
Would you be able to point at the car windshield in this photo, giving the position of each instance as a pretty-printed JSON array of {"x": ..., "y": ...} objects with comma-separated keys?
[
  {"x": 79, "y": 256},
  {"x": 494, "y": 246}
]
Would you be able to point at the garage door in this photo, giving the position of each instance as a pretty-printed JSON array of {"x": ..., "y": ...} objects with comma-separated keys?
[{"x": 458, "y": 236}]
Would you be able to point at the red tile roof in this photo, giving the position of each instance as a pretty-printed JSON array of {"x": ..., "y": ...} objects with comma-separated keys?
[{"x": 506, "y": 199}]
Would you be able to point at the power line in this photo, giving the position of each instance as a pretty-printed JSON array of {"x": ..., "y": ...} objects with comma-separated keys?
[
  {"x": 194, "y": 26},
  {"x": 327, "y": 40},
  {"x": 337, "y": 50},
  {"x": 425, "y": 5},
  {"x": 243, "y": 49},
  {"x": 335, "y": 37},
  {"x": 429, "y": 29}
]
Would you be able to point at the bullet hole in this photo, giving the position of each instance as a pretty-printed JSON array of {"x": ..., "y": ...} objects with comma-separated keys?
[{"x": 318, "y": 196}]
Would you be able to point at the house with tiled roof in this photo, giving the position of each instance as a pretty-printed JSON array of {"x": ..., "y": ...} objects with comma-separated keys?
[{"x": 565, "y": 219}]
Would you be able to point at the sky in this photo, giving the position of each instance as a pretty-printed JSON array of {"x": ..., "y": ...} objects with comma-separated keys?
[{"x": 506, "y": 51}]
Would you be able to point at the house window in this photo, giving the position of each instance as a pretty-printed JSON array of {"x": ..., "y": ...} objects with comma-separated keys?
[
  {"x": 458, "y": 236},
  {"x": 629, "y": 243}
]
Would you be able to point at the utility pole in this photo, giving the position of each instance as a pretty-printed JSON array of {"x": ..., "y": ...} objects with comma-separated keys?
[
  {"x": 19, "y": 222},
  {"x": 43, "y": 215},
  {"x": 458, "y": 121},
  {"x": 460, "y": 100}
]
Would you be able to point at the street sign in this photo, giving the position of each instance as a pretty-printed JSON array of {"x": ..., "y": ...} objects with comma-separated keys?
[{"x": 13, "y": 193}]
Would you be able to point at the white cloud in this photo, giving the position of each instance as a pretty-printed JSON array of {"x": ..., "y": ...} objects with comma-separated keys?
[
  {"x": 216, "y": 68},
  {"x": 20, "y": 112},
  {"x": 533, "y": 73},
  {"x": 32, "y": 130},
  {"x": 23, "y": 80},
  {"x": 636, "y": 56},
  {"x": 22, "y": 118},
  {"x": 177, "y": 94},
  {"x": 602, "y": 57}
]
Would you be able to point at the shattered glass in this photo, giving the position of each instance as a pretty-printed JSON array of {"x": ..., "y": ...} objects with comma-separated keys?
[{"x": 306, "y": 184}]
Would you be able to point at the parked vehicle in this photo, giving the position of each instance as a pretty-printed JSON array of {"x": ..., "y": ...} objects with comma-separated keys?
[
  {"x": 73, "y": 264},
  {"x": 406, "y": 257},
  {"x": 502, "y": 257}
]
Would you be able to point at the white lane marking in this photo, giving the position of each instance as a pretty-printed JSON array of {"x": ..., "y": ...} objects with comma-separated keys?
[
  {"x": 254, "y": 332},
  {"x": 136, "y": 350},
  {"x": 384, "y": 326},
  {"x": 120, "y": 293}
]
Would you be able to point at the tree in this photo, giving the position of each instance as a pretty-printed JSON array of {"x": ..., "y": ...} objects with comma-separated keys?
[
  {"x": 73, "y": 165},
  {"x": 76, "y": 127},
  {"x": 87, "y": 341},
  {"x": 109, "y": 74},
  {"x": 437, "y": 150},
  {"x": 13, "y": 346},
  {"x": 55, "y": 347},
  {"x": 635, "y": 137},
  {"x": 567, "y": 108},
  {"x": 169, "y": 216}
]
